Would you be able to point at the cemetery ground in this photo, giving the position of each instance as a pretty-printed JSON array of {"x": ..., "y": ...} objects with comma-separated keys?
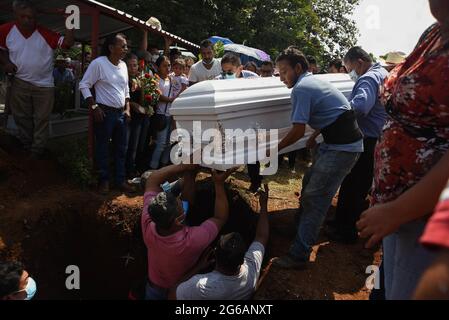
[{"x": 49, "y": 221}]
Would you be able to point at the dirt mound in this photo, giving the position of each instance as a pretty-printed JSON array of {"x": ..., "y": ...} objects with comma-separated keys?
[{"x": 49, "y": 224}]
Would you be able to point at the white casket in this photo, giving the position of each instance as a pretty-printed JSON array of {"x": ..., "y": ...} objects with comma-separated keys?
[{"x": 259, "y": 104}]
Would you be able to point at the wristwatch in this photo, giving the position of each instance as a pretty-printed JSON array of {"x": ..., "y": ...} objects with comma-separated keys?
[{"x": 95, "y": 106}]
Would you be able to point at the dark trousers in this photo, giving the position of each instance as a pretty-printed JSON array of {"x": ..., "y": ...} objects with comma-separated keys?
[
  {"x": 254, "y": 173},
  {"x": 113, "y": 127},
  {"x": 352, "y": 200},
  {"x": 137, "y": 136}
]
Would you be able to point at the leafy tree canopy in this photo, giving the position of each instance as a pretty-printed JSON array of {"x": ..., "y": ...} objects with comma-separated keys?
[{"x": 322, "y": 28}]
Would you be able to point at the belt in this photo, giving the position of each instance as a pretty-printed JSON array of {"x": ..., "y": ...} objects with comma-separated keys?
[
  {"x": 108, "y": 108},
  {"x": 344, "y": 130}
]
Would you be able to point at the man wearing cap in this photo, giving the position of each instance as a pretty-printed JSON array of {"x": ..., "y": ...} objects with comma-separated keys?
[
  {"x": 393, "y": 59},
  {"x": 64, "y": 85},
  {"x": 237, "y": 267},
  {"x": 173, "y": 248},
  {"x": 26, "y": 52},
  {"x": 61, "y": 73}
]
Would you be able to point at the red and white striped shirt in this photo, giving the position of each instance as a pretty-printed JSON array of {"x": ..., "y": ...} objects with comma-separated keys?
[{"x": 32, "y": 53}]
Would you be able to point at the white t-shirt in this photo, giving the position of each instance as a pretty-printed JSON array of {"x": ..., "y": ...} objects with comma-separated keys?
[
  {"x": 198, "y": 71},
  {"x": 164, "y": 86},
  {"x": 31, "y": 53},
  {"x": 110, "y": 82},
  {"x": 177, "y": 82},
  {"x": 217, "y": 286}
]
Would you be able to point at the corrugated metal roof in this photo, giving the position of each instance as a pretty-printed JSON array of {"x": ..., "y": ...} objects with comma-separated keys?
[{"x": 111, "y": 20}]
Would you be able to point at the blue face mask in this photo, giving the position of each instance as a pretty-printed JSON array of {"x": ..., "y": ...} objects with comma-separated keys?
[
  {"x": 30, "y": 289},
  {"x": 228, "y": 76},
  {"x": 354, "y": 76}
]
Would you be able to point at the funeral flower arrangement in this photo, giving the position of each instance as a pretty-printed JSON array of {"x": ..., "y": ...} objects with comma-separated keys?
[{"x": 150, "y": 93}]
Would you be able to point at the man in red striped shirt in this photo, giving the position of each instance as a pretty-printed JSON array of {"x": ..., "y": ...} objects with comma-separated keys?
[{"x": 26, "y": 52}]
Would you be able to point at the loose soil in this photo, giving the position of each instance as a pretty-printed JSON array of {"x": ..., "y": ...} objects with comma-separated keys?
[{"x": 48, "y": 223}]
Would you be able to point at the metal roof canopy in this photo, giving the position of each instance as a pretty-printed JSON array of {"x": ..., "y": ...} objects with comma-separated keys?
[{"x": 97, "y": 20}]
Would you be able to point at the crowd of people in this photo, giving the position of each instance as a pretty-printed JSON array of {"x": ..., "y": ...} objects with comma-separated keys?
[{"x": 385, "y": 150}]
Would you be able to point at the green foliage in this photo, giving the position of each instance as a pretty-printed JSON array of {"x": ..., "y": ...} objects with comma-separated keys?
[
  {"x": 219, "y": 49},
  {"x": 75, "y": 161},
  {"x": 322, "y": 28}
]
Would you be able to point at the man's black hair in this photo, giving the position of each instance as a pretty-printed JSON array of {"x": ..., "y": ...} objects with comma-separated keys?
[
  {"x": 230, "y": 252},
  {"x": 312, "y": 60},
  {"x": 111, "y": 41},
  {"x": 337, "y": 63},
  {"x": 357, "y": 53},
  {"x": 231, "y": 58},
  {"x": 205, "y": 44},
  {"x": 161, "y": 59},
  {"x": 163, "y": 210},
  {"x": 294, "y": 57},
  {"x": 10, "y": 275}
]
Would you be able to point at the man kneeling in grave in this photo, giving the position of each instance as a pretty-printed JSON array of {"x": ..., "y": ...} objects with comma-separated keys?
[
  {"x": 320, "y": 105},
  {"x": 173, "y": 248},
  {"x": 237, "y": 267}
]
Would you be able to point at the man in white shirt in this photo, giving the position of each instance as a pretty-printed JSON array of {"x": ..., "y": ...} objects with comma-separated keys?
[
  {"x": 237, "y": 269},
  {"x": 26, "y": 52},
  {"x": 207, "y": 69},
  {"x": 108, "y": 74}
]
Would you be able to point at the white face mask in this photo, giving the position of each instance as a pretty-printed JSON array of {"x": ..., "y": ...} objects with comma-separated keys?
[{"x": 354, "y": 76}]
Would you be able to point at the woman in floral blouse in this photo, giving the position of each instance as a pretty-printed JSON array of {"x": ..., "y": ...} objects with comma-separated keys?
[{"x": 412, "y": 158}]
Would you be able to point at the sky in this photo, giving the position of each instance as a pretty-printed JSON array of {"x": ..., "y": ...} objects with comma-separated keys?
[{"x": 392, "y": 25}]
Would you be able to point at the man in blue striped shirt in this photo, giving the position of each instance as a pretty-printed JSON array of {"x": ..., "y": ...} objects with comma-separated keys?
[{"x": 371, "y": 117}]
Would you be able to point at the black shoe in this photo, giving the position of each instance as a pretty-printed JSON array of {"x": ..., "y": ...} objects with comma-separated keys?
[
  {"x": 126, "y": 188},
  {"x": 288, "y": 262}
]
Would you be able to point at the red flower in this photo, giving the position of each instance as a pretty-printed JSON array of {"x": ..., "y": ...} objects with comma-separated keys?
[
  {"x": 149, "y": 97},
  {"x": 147, "y": 75}
]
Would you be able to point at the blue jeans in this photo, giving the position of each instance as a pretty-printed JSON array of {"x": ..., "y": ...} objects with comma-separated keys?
[
  {"x": 113, "y": 127},
  {"x": 405, "y": 260},
  {"x": 320, "y": 184},
  {"x": 161, "y": 154},
  {"x": 136, "y": 139}
]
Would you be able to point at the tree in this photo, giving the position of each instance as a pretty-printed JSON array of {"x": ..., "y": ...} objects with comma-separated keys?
[
  {"x": 338, "y": 31},
  {"x": 322, "y": 28}
]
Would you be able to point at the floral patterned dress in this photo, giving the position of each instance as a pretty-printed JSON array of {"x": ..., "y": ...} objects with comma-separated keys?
[{"x": 416, "y": 135}]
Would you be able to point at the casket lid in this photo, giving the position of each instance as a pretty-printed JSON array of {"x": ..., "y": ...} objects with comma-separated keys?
[{"x": 224, "y": 96}]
